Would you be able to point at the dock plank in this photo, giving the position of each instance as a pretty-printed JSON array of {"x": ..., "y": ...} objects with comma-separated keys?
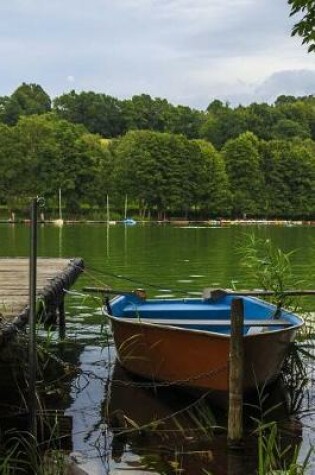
[{"x": 14, "y": 282}]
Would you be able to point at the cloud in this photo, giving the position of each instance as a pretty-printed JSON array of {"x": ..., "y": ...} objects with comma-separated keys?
[{"x": 295, "y": 82}]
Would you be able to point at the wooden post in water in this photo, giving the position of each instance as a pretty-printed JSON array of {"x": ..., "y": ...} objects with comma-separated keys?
[
  {"x": 236, "y": 374},
  {"x": 62, "y": 318},
  {"x": 32, "y": 361}
]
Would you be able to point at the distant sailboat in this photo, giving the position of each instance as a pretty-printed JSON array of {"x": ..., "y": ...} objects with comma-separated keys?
[{"x": 59, "y": 221}]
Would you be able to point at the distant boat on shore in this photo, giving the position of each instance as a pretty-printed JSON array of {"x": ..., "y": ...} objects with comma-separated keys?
[{"x": 128, "y": 221}]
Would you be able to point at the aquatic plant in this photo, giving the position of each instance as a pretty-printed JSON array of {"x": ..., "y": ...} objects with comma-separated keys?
[
  {"x": 21, "y": 453},
  {"x": 296, "y": 375},
  {"x": 268, "y": 267},
  {"x": 272, "y": 458}
]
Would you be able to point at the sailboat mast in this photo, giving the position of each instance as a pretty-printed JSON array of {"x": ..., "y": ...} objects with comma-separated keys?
[
  {"x": 107, "y": 207},
  {"x": 126, "y": 204},
  {"x": 60, "y": 208}
]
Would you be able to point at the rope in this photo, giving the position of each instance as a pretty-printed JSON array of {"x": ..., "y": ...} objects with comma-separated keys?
[
  {"x": 132, "y": 280},
  {"x": 179, "y": 382}
]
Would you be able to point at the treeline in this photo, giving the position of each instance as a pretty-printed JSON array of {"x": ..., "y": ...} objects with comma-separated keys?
[
  {"x": 170, "y": 160},
  {"x": 287, "y": 118}
]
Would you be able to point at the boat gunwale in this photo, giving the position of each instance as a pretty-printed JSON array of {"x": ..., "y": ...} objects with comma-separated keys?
[{"x": 139, "y": 322}]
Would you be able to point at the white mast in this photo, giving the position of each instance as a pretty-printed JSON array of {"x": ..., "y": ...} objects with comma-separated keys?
[
  {"x": 126, "y": 204},
  {"x": 60, "y": 208},
  {"x": 107, "y": 207}
]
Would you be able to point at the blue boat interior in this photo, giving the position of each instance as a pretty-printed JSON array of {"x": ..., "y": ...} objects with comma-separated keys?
[{"x": 202, "y": 314}]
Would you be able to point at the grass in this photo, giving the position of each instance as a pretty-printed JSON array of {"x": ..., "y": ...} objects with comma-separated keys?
[
  {"x": 273, "y": 458},
  {"x": 21, "y": 454}
]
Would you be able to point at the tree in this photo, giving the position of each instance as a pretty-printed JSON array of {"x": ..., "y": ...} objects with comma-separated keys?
[
  {"x": 32, "y": 99},
  {"x": 144, "y": 113},
  {"x": 305, "y": 27},
  {"x": 299, "y": 174},
  {"x": 287, "y": 129},
  {"x": 27, "y": 99},
  {"x": 222, "y": 123},
  {"x": 99, "y": 113},
  {"x": 12, "y": 173},
  {"x": 167, "y": 172},
  {"x": 243, "y": 167},
  {"x": 138, "y": 168},
  {"x": 288, "y": 168},
  {"x": 43, "y": 153},
  {"x": 9, "y": 110},
  {"x": 301, "y": 111},
  {"x": 213, "y": 195},
  {"x": 184, "y": 120},
  {"x": 261, "y": 118}
]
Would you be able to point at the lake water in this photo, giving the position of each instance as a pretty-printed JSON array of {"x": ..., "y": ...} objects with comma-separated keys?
[{"x": 103, "y": 401}]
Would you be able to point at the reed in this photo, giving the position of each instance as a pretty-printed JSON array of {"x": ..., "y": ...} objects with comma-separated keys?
[
  {"x": 273, "y": 459},
  {"x": 275, "y": 455},
  {"x": 22, "y": 454},
  {"x": 268, "y": 267},
  {"x": 297, "y": 376}
]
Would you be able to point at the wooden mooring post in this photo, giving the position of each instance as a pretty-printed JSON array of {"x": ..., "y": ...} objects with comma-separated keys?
[
  {"x": 236, "y": 374},
  {"x": 32, "y": 400}
]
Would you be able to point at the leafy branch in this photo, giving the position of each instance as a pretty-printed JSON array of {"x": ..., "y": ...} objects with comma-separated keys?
[{"x": 305, "y": 27}]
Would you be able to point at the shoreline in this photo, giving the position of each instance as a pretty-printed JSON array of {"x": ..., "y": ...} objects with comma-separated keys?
[{"x": 175, "y": 222}]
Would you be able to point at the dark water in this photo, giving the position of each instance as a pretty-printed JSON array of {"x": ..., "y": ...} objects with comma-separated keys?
[{"x": 102, "y": 400}]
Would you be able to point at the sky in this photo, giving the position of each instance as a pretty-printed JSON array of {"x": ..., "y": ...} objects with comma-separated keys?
[{"x": 189, "y": 52}]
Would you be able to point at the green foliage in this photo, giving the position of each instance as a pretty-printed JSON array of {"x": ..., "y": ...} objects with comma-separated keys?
[
  {"x": 144, "y": 113},
  {"x": 272, "y": 458},
  {"x": 268, "y": 266},
  {"x": 243, "y": 167},
  {"x": 99, "y": 113},
  {"x": 287, "y": 129},
  {"x": 305, "y": 27},
  {"x": 256, "y": 161},
  {"x": 170, "y": 173},
  {"x": 288, "y": 169},
  {"x": 213, "y": 192},
  {"x": 41, "y": 154},
  {"x": 222, "y": 123},
  {"x": 22, "y": 454},
  {"x": 27, "y": 99}
]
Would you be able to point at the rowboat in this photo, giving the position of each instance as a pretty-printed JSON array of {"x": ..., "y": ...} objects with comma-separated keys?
[{"x": 186, "y": 342}]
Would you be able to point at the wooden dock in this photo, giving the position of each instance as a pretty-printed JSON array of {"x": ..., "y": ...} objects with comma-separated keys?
[{"x": 54, "y": 275}]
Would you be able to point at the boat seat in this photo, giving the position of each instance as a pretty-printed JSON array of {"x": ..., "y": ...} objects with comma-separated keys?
[{"x": 185, "y": 310}]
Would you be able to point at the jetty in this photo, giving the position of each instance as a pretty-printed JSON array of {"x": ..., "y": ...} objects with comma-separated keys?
[{"x": 54, "y": 276}]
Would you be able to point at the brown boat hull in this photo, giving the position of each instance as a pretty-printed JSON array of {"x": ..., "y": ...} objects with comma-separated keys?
[{"x": 197, "y": 359}]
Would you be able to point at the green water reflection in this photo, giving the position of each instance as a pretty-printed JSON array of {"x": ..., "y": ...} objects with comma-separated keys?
[{"x": 165, "y": 256}]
